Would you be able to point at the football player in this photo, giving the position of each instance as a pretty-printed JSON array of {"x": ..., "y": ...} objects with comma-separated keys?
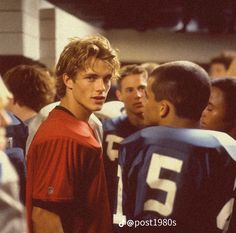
[
  {"x": 131, "y": 91},
  {"x": 173, "y": 177}
]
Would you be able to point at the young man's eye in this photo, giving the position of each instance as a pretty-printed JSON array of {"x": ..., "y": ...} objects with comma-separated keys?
[
  {"x": 107, "y": 79},
  {"x": 129, "y": 90},
  {"x": 91, "y": 78},
  {"x": 142, "y": 88},
  {"x": 209, "y": 108}
]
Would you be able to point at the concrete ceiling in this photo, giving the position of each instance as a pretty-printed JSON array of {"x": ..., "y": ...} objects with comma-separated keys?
[{"x": 149, "y": 14}]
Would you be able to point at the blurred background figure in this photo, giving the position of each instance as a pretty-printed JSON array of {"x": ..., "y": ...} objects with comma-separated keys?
[
  {"x": 149, "y": 66},
  {"x": 222, "y": 65},
  {"x": 12, "y": 211},
  {"x": 191, "y": 10},
  {"x": 220, "y": 113},
  {"x": 32, "y": 88}
]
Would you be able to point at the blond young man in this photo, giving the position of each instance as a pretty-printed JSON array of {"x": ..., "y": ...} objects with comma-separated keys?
[{"x": 66, "y": 178}]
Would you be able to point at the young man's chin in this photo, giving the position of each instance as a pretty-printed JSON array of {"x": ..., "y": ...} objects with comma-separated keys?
[{"x": 97, "y": 108}]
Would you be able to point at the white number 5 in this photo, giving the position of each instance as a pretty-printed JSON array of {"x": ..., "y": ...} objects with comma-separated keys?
[{"x": 155, "y": 182}]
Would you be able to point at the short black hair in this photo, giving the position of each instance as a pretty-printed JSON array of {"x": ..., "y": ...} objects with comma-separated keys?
[
  {"x": 185, "y": 84},
  {"x": 228, "y": 88}
]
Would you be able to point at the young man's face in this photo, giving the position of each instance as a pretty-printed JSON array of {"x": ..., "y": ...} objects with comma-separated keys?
[
  {"x": 213, "y": 116},
  {"x": 90, "y": 87},
  {"x": 217, "y": 70},
  {"x": 132, "y": 93},
  {"x": 152, "y": 107}
]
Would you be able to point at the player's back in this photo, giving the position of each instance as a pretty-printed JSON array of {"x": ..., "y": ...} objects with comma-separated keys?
[{"x": 179, "y": 178}]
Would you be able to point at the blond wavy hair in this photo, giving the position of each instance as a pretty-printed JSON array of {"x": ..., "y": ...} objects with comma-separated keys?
[{"x": 79, "y": 54}]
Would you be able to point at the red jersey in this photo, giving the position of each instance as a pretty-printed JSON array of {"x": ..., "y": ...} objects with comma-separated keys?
[{"x": 65, "y": 167}]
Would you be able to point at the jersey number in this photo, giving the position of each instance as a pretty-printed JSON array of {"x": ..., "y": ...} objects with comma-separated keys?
[
  {"x": 111, "y": 139},
  {"x": 119, "y": 217},
  {"x": 155, "y": 182}
]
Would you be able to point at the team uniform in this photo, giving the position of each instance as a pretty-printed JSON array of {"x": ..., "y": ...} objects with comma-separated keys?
[
  {"x": 115, "y": 130},
  {"x": 17, "y": 133},
  {"x": 16, "y": 156},
  {"x": 65, "y": 176},
  {"x": 33, "y": 126},
  {"x": 176, "y": 180}
]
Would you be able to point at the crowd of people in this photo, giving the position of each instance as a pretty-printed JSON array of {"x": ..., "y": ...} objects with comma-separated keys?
[{"x": 159, "y": 156}]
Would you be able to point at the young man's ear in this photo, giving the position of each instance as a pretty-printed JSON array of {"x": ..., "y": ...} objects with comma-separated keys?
[
  {"x": 68, "y": 81},
  {"x": 164, "y": 109},
  {"x": 232, "y": 131},
  {"x": 119, "y": 95}
]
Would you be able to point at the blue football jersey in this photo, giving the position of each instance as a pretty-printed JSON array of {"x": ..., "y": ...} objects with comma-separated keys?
[
  {"x": 16, "y": 133},
  {"x": 180, "y": 179},
  {"x": 16, "y": 156},
  {"x": 115, "y": 130}
]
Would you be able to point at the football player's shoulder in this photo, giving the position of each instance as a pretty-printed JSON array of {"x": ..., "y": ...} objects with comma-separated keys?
[
  {"x": 113, "y": 123},
  {"x": 209, "y": 138},
  {"x": 73, "y": 130},
  {"x": 195, "y": 137}
]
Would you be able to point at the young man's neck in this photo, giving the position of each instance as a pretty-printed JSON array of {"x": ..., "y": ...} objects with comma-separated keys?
[
  {"x": 77, "y": 109},
  {"x": 182, "y": 123},
  {"x": 23, "y": 112},
  {"x": 136, "y": 119}
]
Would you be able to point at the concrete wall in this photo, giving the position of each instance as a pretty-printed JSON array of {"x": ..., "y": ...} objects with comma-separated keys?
[
  {"x": 37, "y": 30},
  {"x": 162, "y": 46},
  {"x": 19, "y": 28},
  {"x": 67, "y": 26}
]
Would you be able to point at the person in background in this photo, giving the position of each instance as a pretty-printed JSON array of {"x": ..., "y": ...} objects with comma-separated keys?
[
  {"x": 12, "y": 211},
  {"x": 32, "y": 89},
  {"x": 220, "y": 115},
  {"x": 220, "y": 64},
  {"x": 149, "y": 66},
  {"x": 131, "y": 91},
  {"x": 172, "y": 175},
  {"x": 66, "y": 185}
]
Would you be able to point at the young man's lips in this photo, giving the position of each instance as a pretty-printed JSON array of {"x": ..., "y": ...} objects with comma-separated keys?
[
  {"x": 202, "y": 124},
  {"x": 99, "y": 99},
  {"x": 138, "y": 104}
]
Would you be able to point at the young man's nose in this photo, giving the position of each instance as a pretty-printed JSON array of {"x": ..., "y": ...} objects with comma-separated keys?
[
  {"x": 138, "y": 93},
  {"x": 100, "y": 85}
]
